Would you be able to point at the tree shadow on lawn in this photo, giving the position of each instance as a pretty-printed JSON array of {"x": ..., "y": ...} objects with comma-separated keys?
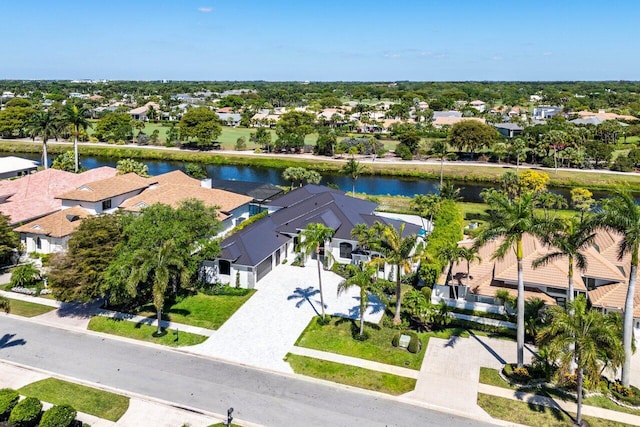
[
  {"x": 354, "y": 325},
  {"x": 535, "y": 405}
]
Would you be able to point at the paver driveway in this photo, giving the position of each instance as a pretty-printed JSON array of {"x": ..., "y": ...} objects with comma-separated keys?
[
  {"x": 451, "y": 369},
  {"x": 265, "y": 328}
]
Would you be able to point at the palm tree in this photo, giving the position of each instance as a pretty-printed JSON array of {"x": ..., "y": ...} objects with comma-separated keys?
[
  {"x": 440, "y": 148},
  {"x": 45, "y": 125},
  {"x": 577, "y": 333},
  {"x": 425, "y": 205},
  {"x": 312, "y": 177},
  {"x": 294, "y": 174},
  {"x": 361, "y": 276},
  {"x": 448, "y": 191},
  {"x": 469, "y": 255},
  {"x": 450, "y": 253},
  {"x": 622, "y": 214},
  {"x": 76, "y": 117},
  {"x": 5, "y": 304},
  {"x": 400, "y": 251},
  {"x": 354, "y": 169},
  {"x": 314, "y": 235},
  {"x": 511, "y": 219},
  {"x": 567, "y": 238},
  {"x": 162, "y": 266}
]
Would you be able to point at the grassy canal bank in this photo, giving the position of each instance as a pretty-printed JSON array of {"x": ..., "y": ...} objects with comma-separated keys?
[{"x": 457, "y": 172}]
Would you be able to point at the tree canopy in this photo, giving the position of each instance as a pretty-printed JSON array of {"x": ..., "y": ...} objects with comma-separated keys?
[{"x": 200, "y": 124}]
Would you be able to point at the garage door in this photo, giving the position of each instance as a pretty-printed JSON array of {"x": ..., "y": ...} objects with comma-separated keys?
[{"x": 264, "y": 267}]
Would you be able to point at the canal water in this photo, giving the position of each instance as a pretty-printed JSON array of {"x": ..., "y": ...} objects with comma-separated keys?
[{"x": 372, "y": 185}]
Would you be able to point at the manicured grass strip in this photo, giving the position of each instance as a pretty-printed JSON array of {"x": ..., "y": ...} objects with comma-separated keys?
[
  {"x": 27, "y": 309},
  {"x": 492, "y": 377},
  {"x": 205, "y": 311},
  {"x": 89, "y": 400},
  {"x": 140, "y": 332},
  {"x": 351, "y": 375},
  {"x": 337, "y": 337},
  {"x": 533, "y": 415}
]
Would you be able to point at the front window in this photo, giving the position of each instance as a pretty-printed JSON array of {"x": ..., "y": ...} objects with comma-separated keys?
[
  {"x": 225, "y": 267},
  {"x": 38, "y": 243},
  {"x": 106, "y": 204},
  {"x": 345, "y": 250}
]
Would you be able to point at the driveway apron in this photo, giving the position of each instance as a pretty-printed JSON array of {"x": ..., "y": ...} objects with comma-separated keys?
[
  {"x": 451, "y": 369},
  {"x": 266, "y": 327}
]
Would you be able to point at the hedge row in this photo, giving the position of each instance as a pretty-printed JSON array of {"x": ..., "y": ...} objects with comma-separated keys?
[
  {"x": 28, "y": 411},
  {"x": 448, "y": 226}
]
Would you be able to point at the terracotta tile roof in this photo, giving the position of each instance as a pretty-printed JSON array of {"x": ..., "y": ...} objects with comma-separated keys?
[
  {"x": 57, "y": 224},
  {"x": 176, "y": 177},
  {"x": 605, "y": 116},
  {"x": 34, "y": 195},
  {"x": 174, "y": 194},
  {"x": 613, "y": 296},
  {"x": 450, "y": 121},
  {"x": 107, "y": 188},
  {"x": 489, "y": 275}
]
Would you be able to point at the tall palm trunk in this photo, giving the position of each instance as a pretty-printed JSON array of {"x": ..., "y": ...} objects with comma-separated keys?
[
  {"x": 627, "y": 331},
  {"x": 363, "y": 307},
  {"x": 441, "y": 170},
  {"x": 75, "y": 151},
  {"x": 520, "y": 305},
  {"x": 579, "y": 386},
  {"x": 320, "y": 280},
  {"x": 396, "y": 317},
  {"x": 570, "y": 279},
  {"x": 45, "y": 158},
  {"x": 159, "y": 321}
]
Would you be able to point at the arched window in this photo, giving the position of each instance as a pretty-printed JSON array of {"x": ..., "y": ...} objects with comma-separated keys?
[{"x": 345, "y": 250}]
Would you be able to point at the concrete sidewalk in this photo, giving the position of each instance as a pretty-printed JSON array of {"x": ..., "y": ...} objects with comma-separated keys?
[
  {"x": 589, "y": 411},
  {"x": 141, "y": 411},
  {"x": 354, "y": 361},
  {"x": 77, "y": 315}
]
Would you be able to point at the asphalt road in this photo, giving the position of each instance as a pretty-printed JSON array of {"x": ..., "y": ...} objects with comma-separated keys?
[{"x": 257, "y": 396}]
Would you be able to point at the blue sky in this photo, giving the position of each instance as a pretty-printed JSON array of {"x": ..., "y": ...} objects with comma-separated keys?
[{"x": 324, "y": 40}]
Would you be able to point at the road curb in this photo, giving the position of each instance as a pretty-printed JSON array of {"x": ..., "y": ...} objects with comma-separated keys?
[{"x": 130, "y": 394}]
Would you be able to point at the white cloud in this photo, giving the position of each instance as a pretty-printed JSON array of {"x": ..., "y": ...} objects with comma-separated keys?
[{"x": 205, "y": 9}]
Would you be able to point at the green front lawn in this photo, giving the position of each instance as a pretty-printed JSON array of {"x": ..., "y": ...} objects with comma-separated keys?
[
  {"x": 337, "y": 337},
  {"x": 89, "y": 400},
  {"x": 492, "y": 377},
  {"x": 205, "y": 311},
  {"x": 533, "y": 415},
  {"x": 27, "y": 309},
  {"x": 351, "y": 375},
  {"x": 137, "y": 331}
]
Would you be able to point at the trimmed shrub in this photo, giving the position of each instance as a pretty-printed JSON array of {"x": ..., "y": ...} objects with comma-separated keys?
[
  {"x": 59, "y": 416},
  {"x": 8, "y": 400},
  {"x": 26, "y": 413},
  {"x": 629, "y": 395},
  {"x": 396, "y": 339},
  {"x": 414, "y": 344},
  {"x": 426, "y": 291}
]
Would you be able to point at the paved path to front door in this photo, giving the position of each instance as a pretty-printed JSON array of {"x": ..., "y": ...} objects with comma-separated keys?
[
  {"x": 267, "y": 326},
  {"x": 451, "y": 369}
]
